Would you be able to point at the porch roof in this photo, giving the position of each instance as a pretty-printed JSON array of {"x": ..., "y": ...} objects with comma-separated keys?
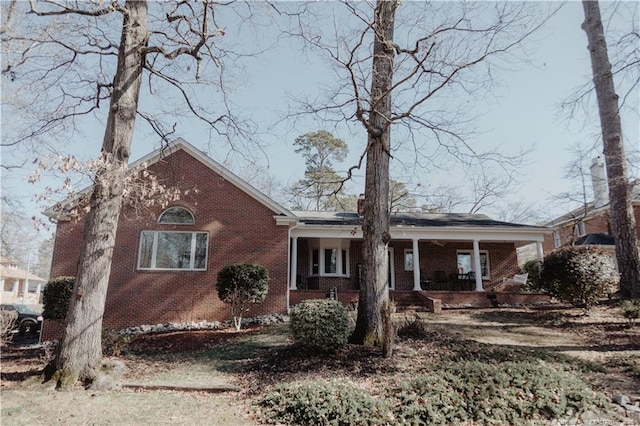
[
  {"x": 408, "y": 219},
  {"x": 445, "y": 226}
]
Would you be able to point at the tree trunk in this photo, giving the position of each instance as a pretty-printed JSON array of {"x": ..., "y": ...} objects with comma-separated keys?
[
  {"x": 622, "y": 218},
  {"x": 374, "y": 294},
  {"x": 80, "y": 353}
]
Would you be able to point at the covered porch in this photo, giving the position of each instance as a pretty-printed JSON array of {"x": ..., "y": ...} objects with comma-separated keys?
[{"x": 434, "y": 255}]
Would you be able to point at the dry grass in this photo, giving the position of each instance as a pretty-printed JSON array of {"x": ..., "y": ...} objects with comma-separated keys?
[{"x": 257, "y": 358}]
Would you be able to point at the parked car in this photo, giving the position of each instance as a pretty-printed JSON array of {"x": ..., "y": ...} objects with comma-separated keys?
[{"x": 29, "y": 320}]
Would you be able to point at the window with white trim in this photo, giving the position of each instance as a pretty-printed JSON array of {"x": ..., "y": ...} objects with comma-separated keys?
[
  {"x": 329, "y": 258},
  {"x": 581, "y": 229},
  {"x": 408, "y": 259},
  {"x": 176, "y": 215},
  {"x": 557, "y": 242},
  {"x": 466, "y": 263},
  {"x": 173, "y": 250}
]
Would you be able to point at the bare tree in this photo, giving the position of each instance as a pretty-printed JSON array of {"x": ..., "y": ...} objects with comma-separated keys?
[
  {"x": 19, "y": 239},
  {"x": 622, "y": 218},
  {"x": 48, "y": 56},
  {"x": 416, "y": 76}
]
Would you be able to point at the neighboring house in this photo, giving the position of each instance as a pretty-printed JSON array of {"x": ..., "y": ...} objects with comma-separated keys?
[
  {"x": 591, "y": 223},
  {"x": 165, "y": 263},
  {"x": 18, "y": 285}
]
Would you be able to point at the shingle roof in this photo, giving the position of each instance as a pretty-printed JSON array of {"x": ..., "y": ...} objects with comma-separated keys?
[
  {"x": 408, "y": 219},
  {"x": 596, "y": 239}
]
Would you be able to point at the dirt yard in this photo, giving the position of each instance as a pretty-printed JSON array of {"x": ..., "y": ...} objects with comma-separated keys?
[{"x": 257, "y": 357}]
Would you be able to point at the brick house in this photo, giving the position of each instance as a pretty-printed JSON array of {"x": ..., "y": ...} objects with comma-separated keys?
[
  {"x": 591, "y": 223},
  {"x": 165, "y": 262}
]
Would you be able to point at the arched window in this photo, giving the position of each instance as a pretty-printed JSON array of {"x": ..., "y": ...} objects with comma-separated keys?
[
  {"x": 174, "y": 249},
  {"x": 176, "y": 216}
]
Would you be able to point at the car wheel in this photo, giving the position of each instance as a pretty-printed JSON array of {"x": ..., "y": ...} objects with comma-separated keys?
[{"x": 27, "y": 327}]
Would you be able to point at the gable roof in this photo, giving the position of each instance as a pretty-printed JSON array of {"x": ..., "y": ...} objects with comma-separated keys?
[{"x": 163, "y": 152}]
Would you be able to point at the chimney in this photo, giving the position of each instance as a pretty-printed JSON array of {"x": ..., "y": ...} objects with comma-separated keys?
[
  {"x": 599, "y": 182},
  {"x": 361, "y": 205}
]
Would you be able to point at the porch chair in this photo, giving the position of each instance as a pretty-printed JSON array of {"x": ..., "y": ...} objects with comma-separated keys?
[
  {"x": 425, "y": 283},
  {"x": 440, "y": 280},
  {"x": 440, "y": 277}
]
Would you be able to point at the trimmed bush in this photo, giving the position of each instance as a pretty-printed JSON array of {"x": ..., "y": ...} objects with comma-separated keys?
[
  {"x": 320, "y": 324},
  {"x": 580, "y": 275},
  {"x": 241, "y": 285},
  {"x": 532, "y": 268},
  {"x": 56, "y": 296},
  {"x": 323, "y": 403}
]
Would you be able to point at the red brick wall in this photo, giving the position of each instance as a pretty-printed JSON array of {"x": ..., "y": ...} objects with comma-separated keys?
[
  {"x": 240, "y": 228},
  {"x": 502, "y": 261},
  {"x": 595, "y": 225},
  {"x": 443, "y": 257},
  {"x": 448, "y": 298}
]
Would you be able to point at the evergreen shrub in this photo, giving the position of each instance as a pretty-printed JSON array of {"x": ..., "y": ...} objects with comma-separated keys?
[
  {"x": 532, "y": 267},
  {"x": 56, "y": 296},
  {"x": 241, "y": 285},
  {"x": 321, "y": 324},
  {"x": 323, "y": 403},
  {"x": 477, "y": 393},
  {"x": 580, "y": 275}
]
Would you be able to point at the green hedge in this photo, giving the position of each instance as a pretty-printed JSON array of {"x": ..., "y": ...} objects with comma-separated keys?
[
  {"x": 56, "y": 296},
  {"x": 580, "y": 275},
  {"x": 468, "y": 392},
  {"x": 321, "y": 324}
]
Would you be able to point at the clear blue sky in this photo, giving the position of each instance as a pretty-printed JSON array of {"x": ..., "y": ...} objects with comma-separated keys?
[{"x": 524, "y": 113}]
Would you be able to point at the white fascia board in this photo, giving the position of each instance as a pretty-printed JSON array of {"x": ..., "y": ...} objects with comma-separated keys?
[
  {"x": 436, "y": 233},
  {"x": 480, "y": 234},
  {"x": 285, "y": 220},
  {"x": 327, "y": 231}
]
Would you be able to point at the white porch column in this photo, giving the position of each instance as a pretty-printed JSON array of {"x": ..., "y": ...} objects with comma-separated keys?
[
  {"x": 539, "y": 250},
  {"x": 477, "y": 267},
  {"x": 416, "y": 266},
  {"x": 25, "y": 289},
  {"x": 293, "y": 283}
]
